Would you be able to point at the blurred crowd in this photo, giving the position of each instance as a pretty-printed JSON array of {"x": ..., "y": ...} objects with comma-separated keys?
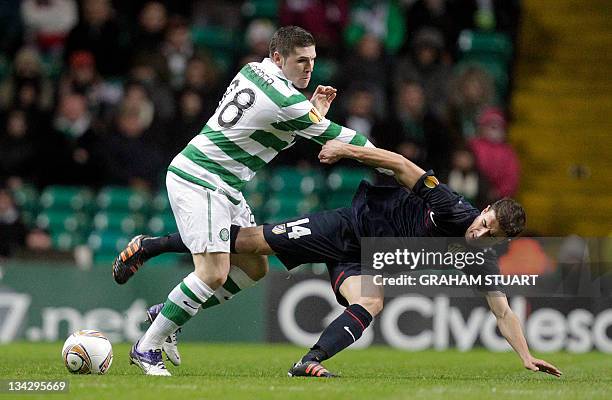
[{"x": 100, "y": 92}]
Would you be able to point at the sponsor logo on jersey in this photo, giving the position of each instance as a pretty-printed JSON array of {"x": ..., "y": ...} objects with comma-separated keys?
[
  {"x": 314, "y": 116},
  {"x": 279, "y": 229},
  {"x": 224, "y": 234},
  {"x": 431, "y": 182}
]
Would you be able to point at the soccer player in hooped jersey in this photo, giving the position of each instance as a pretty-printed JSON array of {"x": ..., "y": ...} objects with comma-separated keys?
[{"x": 259, "y": 115}]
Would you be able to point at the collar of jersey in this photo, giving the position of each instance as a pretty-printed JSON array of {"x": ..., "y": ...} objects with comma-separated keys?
[{"x": 269, "y": 65}]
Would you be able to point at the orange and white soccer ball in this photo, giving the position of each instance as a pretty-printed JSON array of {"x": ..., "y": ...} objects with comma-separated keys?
[{"x": 87, "y": 352}]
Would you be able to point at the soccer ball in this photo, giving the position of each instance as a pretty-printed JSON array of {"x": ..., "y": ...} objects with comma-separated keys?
[{"x": 87, "y": 352}]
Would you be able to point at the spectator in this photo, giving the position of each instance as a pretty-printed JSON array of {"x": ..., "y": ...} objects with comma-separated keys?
[
  {"x": 464, "y": 178},
  {"x": 150, "y": 71},
  {"x": 48, "y": 22},
  {"x": 326, "y": 21},
  {"x": 360, "y": 115},
  {"x": 438, "y": 14},
  {"x": 495, "y": 158},
  {"x": 11, "y": 27},
  {"x": 425, "y": 63},
  {"x": 413, "y": 131},
  {"x": 202, "y": 76},
  {"x": 73, "y": 142},
  {"x": 99, "y": 32},
  {"x": 152, "y": 22},
  {"x": 18, "y": 157},
  {"x": 471, "y": 90},
  {"x": 12, "y": 230},
  {"x": 134, "y": 160},
  {"x": 27, "y": 73},
  {"x": 381, "y": 19},
  {"x": 83, "y": 78},
  {"x": 257, "y": 37},
  {"x": 367, "y": 66},
  {"x": 189, "y": 120},
  {"x": 177, "y": 50},
  {"x": 136, "y": 98}
]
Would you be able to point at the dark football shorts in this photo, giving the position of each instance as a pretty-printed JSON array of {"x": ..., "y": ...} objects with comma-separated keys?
[{"x": 324, "y": 237}]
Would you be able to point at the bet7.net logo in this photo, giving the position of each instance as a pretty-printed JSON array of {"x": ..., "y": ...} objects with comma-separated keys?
[{"x": 13, "y": 308}]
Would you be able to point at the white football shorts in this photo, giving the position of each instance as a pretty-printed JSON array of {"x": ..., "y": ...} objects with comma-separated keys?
[{"x": 204, "y": 216}]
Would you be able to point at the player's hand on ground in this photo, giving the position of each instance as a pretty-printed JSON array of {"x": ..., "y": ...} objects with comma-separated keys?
[
  {"x": 331, "y": 152},
  {"x": 536, "y": 365},
  {"x": 323, "y": 97}
]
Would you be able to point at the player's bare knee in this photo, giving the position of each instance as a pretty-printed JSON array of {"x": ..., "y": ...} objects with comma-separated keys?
[
  {"x": 262, "y": 268},
  {"x": 257, "y": 267},
  {"x": 250, "y": 240}
]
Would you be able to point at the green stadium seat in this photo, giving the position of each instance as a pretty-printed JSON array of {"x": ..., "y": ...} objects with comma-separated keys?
[
  {"x": 26, "y": 198},
  {"x": 259, "y": 184},
  {"x": 281, "y": 207},
  {"x": 338, "y": 200},
  {"x": 256, "y": 192},
  {"x": 214, "y": 38},
  {"x": 323, "y": 73},
  {"x": 160, "y": 203},
  {"x": 253, "y": 9},
  {"x": 65, "y": 241},
  {"x": 290, "y": 181},
  {"x": 67, "y": 198},
  {"x": 62, "y": 221},
  {"x": 123, "y": 199},
  {"x": 347, "y": 180},
  {"x": 106, "y": 245},
  {"x": 162, "y": 224},
  {"x": 278, "y": 208},
  {"x": 494, "y": 45},
  {"x": 126, "y": 222}
]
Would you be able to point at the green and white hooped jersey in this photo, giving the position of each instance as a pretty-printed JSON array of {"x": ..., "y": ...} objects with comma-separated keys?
[{"x": 259, "y": 115}]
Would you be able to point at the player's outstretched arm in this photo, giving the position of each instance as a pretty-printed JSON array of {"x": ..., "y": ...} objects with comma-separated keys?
[
  {"x": 406, "y": 172},
  {"x": 510, "y": 326}
]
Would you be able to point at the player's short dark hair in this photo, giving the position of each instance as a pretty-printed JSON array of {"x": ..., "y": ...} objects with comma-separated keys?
[
  {"x": 510, "y": 215},
  {"x": 287, "y": 38}
]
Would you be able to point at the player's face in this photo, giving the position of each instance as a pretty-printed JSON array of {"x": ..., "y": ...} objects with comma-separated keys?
[
  {"x": 485, "y": 230},
  {"x": 298, "y": 66}
]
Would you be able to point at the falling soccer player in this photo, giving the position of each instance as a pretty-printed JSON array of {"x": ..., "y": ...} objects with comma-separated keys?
[{"x": 419, "y": 207}]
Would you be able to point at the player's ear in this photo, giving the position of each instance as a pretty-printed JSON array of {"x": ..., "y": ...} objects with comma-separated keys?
[
  {"x": 486, "y": 209},
  {"x": 277, "y": 58}
]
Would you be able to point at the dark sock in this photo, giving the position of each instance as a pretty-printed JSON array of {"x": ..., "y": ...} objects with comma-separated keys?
[
  {"x": 171, "y": 243},
  {"x": 336, "y": 337}
]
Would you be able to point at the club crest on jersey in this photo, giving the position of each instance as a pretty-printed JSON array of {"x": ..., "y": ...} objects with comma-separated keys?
[
  {"x": 431, "y": 182},
  {"x": 224, "y": 234},
  {"x": 279, "y": 229},
  {"x": 314, "y": 116}
]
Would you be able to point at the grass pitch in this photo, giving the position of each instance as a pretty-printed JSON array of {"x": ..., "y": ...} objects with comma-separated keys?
[{"x": 241, "y": 371}]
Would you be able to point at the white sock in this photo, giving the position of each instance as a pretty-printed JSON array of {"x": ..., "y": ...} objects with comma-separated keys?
[{"x": 183, "y": 303}]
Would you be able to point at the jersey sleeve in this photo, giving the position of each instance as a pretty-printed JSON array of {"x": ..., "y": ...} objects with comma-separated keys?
[
  {"x": 449, "y": 211},
  {"x": 306, "y": 121}
]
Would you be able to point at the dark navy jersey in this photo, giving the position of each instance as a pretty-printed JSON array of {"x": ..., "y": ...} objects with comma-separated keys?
[
  {"x": 334, "y": 237},
  {"x": 430, "y": 209}
]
